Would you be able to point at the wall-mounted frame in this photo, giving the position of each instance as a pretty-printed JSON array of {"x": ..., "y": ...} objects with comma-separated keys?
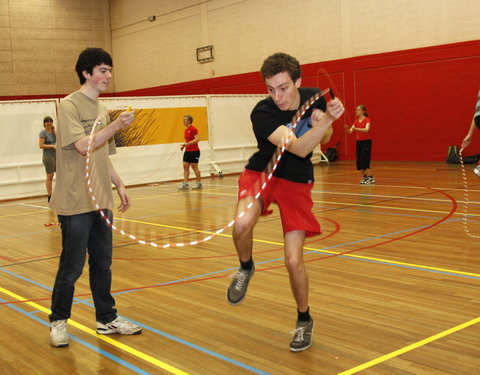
[{"x": 205, "y": 54}]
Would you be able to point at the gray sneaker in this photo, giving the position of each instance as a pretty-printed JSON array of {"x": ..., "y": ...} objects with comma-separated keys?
[
  {"x": 476, "y": 170},
  {"x": 302, "y": 336},
  {"x": 183, "y": 186},
  {"x": 119, "y": 325},
  {"x": 58, "y": 333},
  {"x": 198, "y": 185},
  {"x": 238, "y": 287}
]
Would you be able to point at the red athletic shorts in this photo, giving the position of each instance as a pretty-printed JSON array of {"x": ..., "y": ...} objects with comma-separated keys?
[{"x": 293, "y": 198}]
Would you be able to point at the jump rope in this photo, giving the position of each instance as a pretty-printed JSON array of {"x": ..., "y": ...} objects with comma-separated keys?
[
  {"x": 464, "y": 174},
  {"x": 269, "y": 171},
  {"x": 465, "y": 197}
]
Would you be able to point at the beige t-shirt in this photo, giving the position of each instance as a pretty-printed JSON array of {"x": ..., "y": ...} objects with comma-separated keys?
[{"x": 76, "y": 116}]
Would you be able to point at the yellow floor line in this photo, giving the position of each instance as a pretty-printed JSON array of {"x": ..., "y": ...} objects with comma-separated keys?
[
  {"x": 171, "y": 227},
  {"x": 316, "y": 250},
  {"x": 107, "y": 339},
  {"x": 408, "y": 348},
  {"x": 399, "y": 263}
]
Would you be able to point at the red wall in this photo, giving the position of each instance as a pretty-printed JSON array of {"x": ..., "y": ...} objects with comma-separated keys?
[{"x": 420, "y": 101}]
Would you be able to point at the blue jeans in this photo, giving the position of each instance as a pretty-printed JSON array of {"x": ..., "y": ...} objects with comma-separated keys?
[{"x": 79, "y": 233}]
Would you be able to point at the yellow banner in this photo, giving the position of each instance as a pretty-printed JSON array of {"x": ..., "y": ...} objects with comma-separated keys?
[{"x": 153, "y": 126}]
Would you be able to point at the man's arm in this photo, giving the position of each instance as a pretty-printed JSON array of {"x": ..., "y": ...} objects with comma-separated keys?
[
  {"x": 122, "y": 121},
  {"x": 122, "y": 193},
  {"x": 328, "y": 135},
  {"x": 321, "y": 126}
]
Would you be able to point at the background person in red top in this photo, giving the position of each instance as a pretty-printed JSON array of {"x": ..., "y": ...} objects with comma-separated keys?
[
  {"x": 361, "y": 126},
  {"x": 192, "y": 153}
]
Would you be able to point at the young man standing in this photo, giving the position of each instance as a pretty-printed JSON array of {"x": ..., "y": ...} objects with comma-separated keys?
[
  {"x": 83, "y": 229},
  {"x": 191, "y": 156},
  {"x": 290, "y": 186}
]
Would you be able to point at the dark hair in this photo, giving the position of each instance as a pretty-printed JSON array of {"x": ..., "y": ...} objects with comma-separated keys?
[
  {"x": 281, "y": 62},
  {"x": 88, "y": 59},
  {"x": 364, "y": 109},
  {"x": 47, "y": 119},
  {"x": 189, "y": 118}
]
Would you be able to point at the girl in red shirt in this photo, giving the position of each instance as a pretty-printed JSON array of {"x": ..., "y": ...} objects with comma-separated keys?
[{"x": 361, "y": 126}]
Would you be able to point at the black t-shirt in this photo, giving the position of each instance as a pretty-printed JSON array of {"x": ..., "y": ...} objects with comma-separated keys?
[{"x": 266, "y": 117}]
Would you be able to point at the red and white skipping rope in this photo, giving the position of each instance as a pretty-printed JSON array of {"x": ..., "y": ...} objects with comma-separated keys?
[
  {"x": 465, "y": 199},
  {"x": 269, "y": 171}
]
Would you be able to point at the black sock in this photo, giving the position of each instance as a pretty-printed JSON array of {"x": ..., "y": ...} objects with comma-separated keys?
[
  {"x": 304, "y": 316},
  {"x": 248, "y": 265}
]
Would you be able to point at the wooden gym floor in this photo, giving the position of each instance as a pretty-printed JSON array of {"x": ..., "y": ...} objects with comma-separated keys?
[{"x": 394, "y": 282}]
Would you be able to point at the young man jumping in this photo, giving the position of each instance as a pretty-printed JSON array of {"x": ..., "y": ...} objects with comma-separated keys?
[{"x": 291, "y": 185}]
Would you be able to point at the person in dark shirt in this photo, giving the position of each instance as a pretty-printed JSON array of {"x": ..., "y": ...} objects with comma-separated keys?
[{"x": 291, "y": 184}]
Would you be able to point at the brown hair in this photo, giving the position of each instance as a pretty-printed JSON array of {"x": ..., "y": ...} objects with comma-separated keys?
[
  {"x": 281, "y": 62},
  {"x": 364, "y": 109},
  {"x": 47, "y": 119}
]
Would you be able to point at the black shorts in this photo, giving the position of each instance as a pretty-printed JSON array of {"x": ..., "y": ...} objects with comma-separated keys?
[
  {"x": 364, "y": 154},
  {"x": 191, "y": 157},
  {"x": 477, "y": 121}
]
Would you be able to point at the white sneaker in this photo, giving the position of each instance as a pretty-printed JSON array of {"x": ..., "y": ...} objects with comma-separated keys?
[
  {"x": 476, "y": 170},
  {"x": 183, "y": 186},
  {"x": 58, "y": 333},
  {"x": 198, "y": 185},
  {"x": 119, "y": 325}
]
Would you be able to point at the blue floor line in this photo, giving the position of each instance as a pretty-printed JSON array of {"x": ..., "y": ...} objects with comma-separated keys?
[
  {"x": 80, "y": 341},
  {"x": 186, "y": 343},
  {"x": 232, "y": 361}
]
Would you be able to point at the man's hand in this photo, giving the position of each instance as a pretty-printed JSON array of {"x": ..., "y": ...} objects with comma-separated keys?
[
  {"x": 334, "y": 111},
  {"x": 124, "y": 119},
  {"x": 124, "y": 198}
]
